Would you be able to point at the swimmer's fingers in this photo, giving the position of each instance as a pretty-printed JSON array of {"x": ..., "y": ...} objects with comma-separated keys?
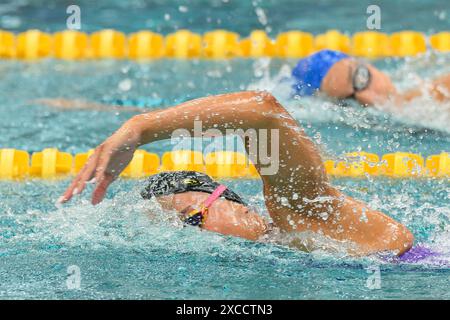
[
  {"x": 102, "y": 178},
  {"x": 79, "y": 183},
  {"x": 72, "y": 189},
  {"x": 69, "y": 191},
  {"x": 86, "y": 175},
  {"x": 110, "y": 165},
  {"x": 88, "y": 171},
  {"x": 102, "y": 185}
]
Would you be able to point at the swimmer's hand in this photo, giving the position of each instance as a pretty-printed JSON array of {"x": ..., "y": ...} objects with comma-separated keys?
[{"x": 105, "y": 164}]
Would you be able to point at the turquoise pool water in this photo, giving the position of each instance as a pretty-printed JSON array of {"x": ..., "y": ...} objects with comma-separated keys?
[
  {"x": 240, "y": 16},
  {"x": 128, "y": 248}
]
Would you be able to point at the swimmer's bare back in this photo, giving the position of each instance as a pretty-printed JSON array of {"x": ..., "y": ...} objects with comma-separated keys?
[
  {"x": 67, "y": 104},
  {"x": 298, "y": 197}
]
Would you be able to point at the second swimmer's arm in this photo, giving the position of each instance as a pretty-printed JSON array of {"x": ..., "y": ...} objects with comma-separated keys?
[
  {"x": 76, "y": 104},
  {"x": 438, "y": 89}
]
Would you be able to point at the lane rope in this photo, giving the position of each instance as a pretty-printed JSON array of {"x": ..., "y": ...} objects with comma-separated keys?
[
  {"x": 217, "y": 44},
  {"x": 51, "y": 163}
]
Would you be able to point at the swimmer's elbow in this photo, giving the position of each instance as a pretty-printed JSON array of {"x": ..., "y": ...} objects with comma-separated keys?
[
  {"x": 407, "y": 240},
  {"x": 268, "y": 103},
  {"x": 263, "y": 96}
]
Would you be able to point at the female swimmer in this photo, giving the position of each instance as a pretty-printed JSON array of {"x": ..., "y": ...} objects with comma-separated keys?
[{"x": 298, "y": 196}]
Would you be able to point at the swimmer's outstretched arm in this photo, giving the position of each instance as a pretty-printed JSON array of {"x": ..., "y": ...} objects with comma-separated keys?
[
  {"x": 244, "y": 110},
  {"x": 68, "y": 104},
  {"x": 298, "y": 195}
]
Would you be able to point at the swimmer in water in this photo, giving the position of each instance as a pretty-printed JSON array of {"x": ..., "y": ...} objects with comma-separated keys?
[
  {"x": 340, "y": 76},
  {"x": 299, "y": 197},
  {"x": 333, "y": 73}
]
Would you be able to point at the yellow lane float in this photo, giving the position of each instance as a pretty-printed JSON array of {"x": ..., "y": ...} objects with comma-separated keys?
[
  {"x": 294, "y": 44},
  {"x": 7, "y": 44},
  {"x": 80, "y": 160},
  {"x": 14, "y": 164},
  {"x": 407, "y": 43},
  {"x": 333, "y": 40},
  {"x": 70, "y": 44},
  {"x": 33, "y": 44},
  {"x": 257, "y": 45},
  {"x": 441, "y": 41},
  {"x": 402, "y": 164},
  {"x": 183, "y": 44},
  {"x": 145, "y": 45},
  {"x": 438, "y": 165},
  {"x": 50, "y": 163},
  {"x": 108, "y": 44},
  {"x": 356, "y": 164},
  {"x": 220, "y": 44},
  {"x": 370, "y": 44},
  {"x": 143, "y": 164},
  {"x": 229, "y": 164},
  {"x": 182, "y": 160}
]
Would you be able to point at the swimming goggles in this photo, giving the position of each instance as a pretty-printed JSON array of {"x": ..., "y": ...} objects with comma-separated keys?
[
  {"x": 197, "y": 217},
  {"x": 361, "y": 78}
]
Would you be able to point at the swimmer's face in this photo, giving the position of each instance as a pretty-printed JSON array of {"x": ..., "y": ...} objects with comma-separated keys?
[
  {"x": 224, "y": 216},
  {"x": 380, "y": 89},
  {"x": 338, "y": 83}
]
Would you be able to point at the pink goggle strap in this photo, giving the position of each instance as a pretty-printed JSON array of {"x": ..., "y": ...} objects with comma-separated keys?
[{"x": 215, "y": 195}]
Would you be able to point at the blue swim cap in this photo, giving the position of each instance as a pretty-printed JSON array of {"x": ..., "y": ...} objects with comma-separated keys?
[{"x": 311, "y": 70}]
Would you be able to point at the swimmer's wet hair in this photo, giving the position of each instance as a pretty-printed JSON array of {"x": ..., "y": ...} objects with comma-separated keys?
[{"x": 167, "y": 183}]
